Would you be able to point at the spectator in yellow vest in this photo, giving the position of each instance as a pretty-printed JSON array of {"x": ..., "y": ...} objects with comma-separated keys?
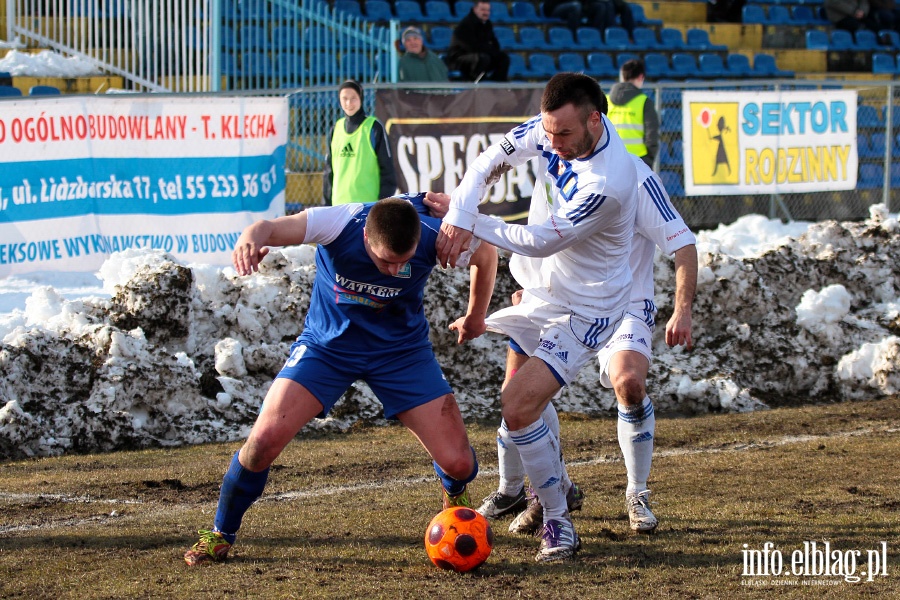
[
  {"x": 633, "y": 113},
  {"x": 358, "y": 162}
]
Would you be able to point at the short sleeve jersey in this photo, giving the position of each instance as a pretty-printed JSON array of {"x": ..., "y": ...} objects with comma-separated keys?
[{"x": 354, "y": 308}]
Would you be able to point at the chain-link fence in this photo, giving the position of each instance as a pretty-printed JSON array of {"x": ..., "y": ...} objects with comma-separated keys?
[{"x": 314, "y": 111}]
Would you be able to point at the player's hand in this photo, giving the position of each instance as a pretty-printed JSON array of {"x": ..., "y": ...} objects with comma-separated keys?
[
  {"x": 247, "y": 255},
  {"x": 452, "y": 240},
  {"x": 678, "y": 331},
  {"x": 516, "y": 297},
  {"x": 468, "y": 327},
  {"x": 438, "y": 204}
]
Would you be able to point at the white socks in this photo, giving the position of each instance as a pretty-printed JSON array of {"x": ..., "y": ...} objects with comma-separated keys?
[
  {"x": 539, "y": 451},
  {"x": 512, "y": 472},
  {"x": 636, "y": 428}
]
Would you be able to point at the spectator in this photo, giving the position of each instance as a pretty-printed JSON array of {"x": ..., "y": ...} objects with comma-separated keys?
[
  {"x": 565, "y": 10},
  {"x": 418, "y": 63},
  {"x": 725, "y": 11},
  {"x": 851, "y": 15},
  {"x": 474, "y": 49},
  {"x": 635, "y": 118},
  {"x": 358, "y": 163},
  {"x": 602, "y": 14},
  {"x": 887, "y": 15}
]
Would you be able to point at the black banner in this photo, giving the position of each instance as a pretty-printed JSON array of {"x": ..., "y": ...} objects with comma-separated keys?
[{"x": 435, "y": 135}]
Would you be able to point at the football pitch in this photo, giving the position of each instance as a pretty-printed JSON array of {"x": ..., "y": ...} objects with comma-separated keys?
[{"x": 793, "y": 502}]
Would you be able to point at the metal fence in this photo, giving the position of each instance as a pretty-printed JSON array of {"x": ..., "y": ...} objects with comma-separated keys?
[{"x": 878, "y": 124}]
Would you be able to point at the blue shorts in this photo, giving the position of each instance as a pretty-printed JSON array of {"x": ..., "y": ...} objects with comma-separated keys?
[{"x": 401, "y": 380}]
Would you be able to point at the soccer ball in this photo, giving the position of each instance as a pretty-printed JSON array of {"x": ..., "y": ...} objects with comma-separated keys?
[{"x": 458, "y": 539}]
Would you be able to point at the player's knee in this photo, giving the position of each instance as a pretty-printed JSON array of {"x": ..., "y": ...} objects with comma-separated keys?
[
  {"x": 258, "y": 454},
  {"x": 630, "y": 390}
]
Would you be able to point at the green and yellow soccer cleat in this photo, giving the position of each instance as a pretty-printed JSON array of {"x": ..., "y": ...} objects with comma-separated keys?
[{"x": 212, "y": 547}]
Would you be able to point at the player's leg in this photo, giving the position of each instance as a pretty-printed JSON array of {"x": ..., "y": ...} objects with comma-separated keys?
[{"x": 636, "y": 427}]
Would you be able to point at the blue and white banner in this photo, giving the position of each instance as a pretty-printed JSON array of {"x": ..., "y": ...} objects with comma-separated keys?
[
  {"x": 769, "y": 142},
  {"x": 83, "y": 177}
]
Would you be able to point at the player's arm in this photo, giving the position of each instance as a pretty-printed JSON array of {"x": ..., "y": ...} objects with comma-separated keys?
[
  {"x": 516, "y": 147},
  {"x": 678, "y": 329},
  {"x": 252, "y": 246},
  {"x": 482, "y": 273}
]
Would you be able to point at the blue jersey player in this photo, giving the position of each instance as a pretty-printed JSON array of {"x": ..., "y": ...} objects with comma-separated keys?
[{"x": 366, "y": 321}]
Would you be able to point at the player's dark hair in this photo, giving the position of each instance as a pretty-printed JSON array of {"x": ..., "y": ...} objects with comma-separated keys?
[
  {"x": 632, "y": 69},
  {"x": 393, "y": 223},
  {"x": 574, "y": 88}
]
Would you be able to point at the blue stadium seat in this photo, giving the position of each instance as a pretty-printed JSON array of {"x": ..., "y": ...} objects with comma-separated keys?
[
  {"x": 698, "y": 39},
  {"x": 532, "y": 38},
  {"x": 440, "y": 38},
  {"x": 254, "y": 37},
  {"x": 408, "y": 11},
  {"x": 561, "y": 39},
  {"x": 895, "y": 174},
  {"x": 589, "y": 38},
  {"x": 289, "y": 71},
  {"x": 890, "y": 38},
  {"x": 378, "y": 10},
  {"x": 350, "y": 7},
  {"x": 601, "y": 65},
  {"x": 816, "y": 39},
  {"x": 462, "y": 7},
  {"x": 357, "y": 65},
  {"x": 44, "y": 90},
  {"x": 671, "y": 39},
  {"x": 439, "y": 11},
  {"x": 624, "y": 57},
  {"x": 645, "y": 38},
  {"x": 542, "y": 65},
  {"x": 572, "y": 62},
  {"x": 803, "y": 14},
  {"x": 764, "y": 66},
  {"x": 500, "y": 13},
  {"x": 738, "y": 66},
  {"x": 871, "y": 176},
  {"x": 862, "y": 145},
  {"x": 256, "y": 63},
  {"x": 671, "y": 180},
  {"x": 877, "y": 144},
  {"x": 657, "y": 66},
  {"x": 526, "y": 13},
  {"x": 256, "y": 11},
  {"x": 676, "y": 155},
  {"x": 779, "y": 15},
  {"x": 640, "y": 16},
  {"x": 841, "y": 40},
  {"x": 711, "y": 66},
  {"x": 319, "y": 37},
  {"x": 518, "y": 70},
  {"x": 868, "y": 116},
  {"x": 684, "y": 66},
  {"x": 323, "y": 65},
  {"x": 866, "y": 40},
  {"x": 505, "y": 35},
  {"x": 884, "y": 63},
  {"x": 753, "y": 14},
  {"x": 616, "y": 38},
  {"x": 670, "y": 120}
]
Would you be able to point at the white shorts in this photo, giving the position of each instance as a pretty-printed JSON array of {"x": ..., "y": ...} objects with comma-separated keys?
[
  {"x": 566, "y": 341},
  {"x": 632, "y": 334}
]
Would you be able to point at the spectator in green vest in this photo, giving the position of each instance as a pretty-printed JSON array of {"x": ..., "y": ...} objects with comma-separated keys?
[
  {"x": 633, "y": 114},
  {"x": 358, "y": 162},
  {"x": 418, "y": 63}
]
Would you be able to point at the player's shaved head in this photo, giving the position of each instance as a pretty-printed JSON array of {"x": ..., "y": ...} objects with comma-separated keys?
[{"x": 394, "y": 224}]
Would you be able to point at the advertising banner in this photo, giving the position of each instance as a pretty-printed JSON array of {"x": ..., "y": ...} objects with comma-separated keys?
[
  {"x": 756, "y": 142},
  {"x": 435, "y": 136},
  {"x": 82, "y": 177}
]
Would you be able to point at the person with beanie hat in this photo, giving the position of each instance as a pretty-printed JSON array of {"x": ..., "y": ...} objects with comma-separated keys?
[
  {"x": 418, "y": 63},
  {"x": 358, "y": 162}
]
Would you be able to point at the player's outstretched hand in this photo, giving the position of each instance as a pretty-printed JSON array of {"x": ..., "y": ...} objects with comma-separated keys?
[
  {"x": 438, "y": 204},
  {"x": 247, "y": 255},
  {"x": 468, "y": 327},
  {"x": 451, "y": 242}
]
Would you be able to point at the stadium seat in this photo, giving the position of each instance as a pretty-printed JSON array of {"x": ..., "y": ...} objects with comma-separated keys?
[
  {"x": 671, "y": 180},
  {"x": 601, "y": 65},
  {"x": 408, "y": 11},
  {"x": 323, "y": 65},
  {"x": 698, "y": 39},
  {"x": 711, "y": 66},
  {"x": 286, "y": 37},
  {"x": 561, "y": 39},
  {"x": 44, "y": 90},
  {"x": 645, "y": 38},
  {"x": 670, "y": 120},
  {"x": 572, "y": 62},
  {"x": 889, "y": 38},
  {"x": 640, "y": 16},
  {"x": 868, "y": 117},
  {"x": 289, "y": 71},
  {"x": 518, "y": 70},
  {"x": 256, "y": 63},
  {"x": 676, "y": 155},
  {"x": 532, "y": 38},
  {"x": 764, "y": 66},
  {"x": 657, "y": 66},
  {"x": 357, "y": 65},
  {"x": 670, "y": 39},
  {"x": 542, "y": 65},
  {"x": 871, "y": 176},
  {"x": 816, "y": 39},
  {"x": 378, "y": 10},
  {"x": 500, "y": 13},
  {"x": 525, "y": 13},
  {"x": 624, "y": 57},
  {"x": 866, "y": 40},
  {"x": 255, "y": 11},
  {"x": 684, "y": 66},
  {"x": 439, "y": 11},
  {"x": 350, "y": 7},
  {"x": 803, "y": 14},
  {"x": 254, "y": 37},
  {"x": 753, "y": 14},
  {"x": 877, "y": 145},
  {"x": 895, "y": 175},
  {"x": 589, "y": 39},
  {"x": 841, "y": 40},
  {"x": 884, "y": 63},
  {"x": 505, "y": 35},
  {"x": 616, "y": 38},
  {"x": 440, "y": 38},
  {"x": 779, "y": 15},
  {"x": 738, "y": 66}
]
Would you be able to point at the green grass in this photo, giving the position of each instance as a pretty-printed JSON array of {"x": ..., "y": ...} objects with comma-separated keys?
[{"x": 344, "y": 515}]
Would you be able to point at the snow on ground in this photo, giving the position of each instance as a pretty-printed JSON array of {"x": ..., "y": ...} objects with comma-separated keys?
[{"x": 151, "y": 352}]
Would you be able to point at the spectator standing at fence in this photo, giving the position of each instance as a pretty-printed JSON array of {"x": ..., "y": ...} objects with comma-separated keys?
[
  {"x": 358, "y": 162},
  {"x": 633, "y": 113},
  {"x": 851, "y": 15},
  {"x": 418, "y": 63},
  {"x": 474, "y": 49}
]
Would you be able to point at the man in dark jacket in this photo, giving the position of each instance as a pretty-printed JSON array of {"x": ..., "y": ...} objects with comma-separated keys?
[
  {"x": 474, "y": 49},
  {"x": 633, "y": 114}
]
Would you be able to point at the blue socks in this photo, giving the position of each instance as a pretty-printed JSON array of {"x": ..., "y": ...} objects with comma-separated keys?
[{"x": 240, "y": 489}]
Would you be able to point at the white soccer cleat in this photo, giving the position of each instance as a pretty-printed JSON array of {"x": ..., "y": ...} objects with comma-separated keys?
[{"x": 640, "y": 517}]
